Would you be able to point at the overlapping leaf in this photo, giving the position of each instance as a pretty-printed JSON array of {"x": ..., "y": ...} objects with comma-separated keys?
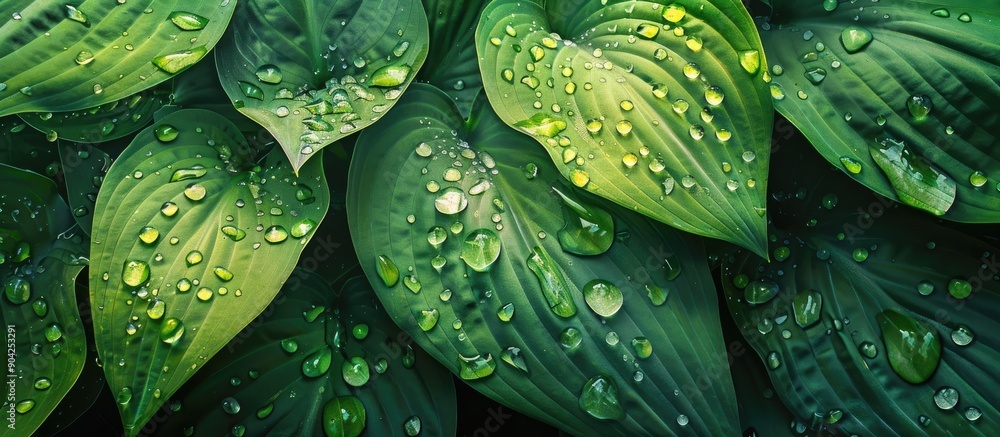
[
  {"x": 60, "y": 56},
  {"x": 83, "y": 168},
  {"x": 862, "y": 305},
  {"x": 101, "y": 123},
  {"x": 457, "y": 226},
  {"x": 40, "y": 257},
  {"x": 657, "y": 106},
  {"x": 191, "y": 241},
  {"x": 265, "y": 382},
  {"x": 923, "y": 73},
  {"x": 25, "y": 148},
  {"x": 451, "y": 63},
  {"x": 312, "y": 72}
]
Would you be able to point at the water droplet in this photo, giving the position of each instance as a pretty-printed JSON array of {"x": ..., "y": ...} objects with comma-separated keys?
[
  {"x": 233, "y": 233},
  {"x": 674, "y": 13},
  {"x": 84, "y": 57},
  {"x": 603, "y": 297},
  {"x": 965, "y": 18},
  {"x": 475, "y": 367},
  {"x": 390, "y": 75},
  {"x": 171, "y": 330},
  {"x": 17, "y": 290},
  {"x": 913, "y": 347},
  {"x": 166, "y": 133},
  {"x": 750, "y": 61},
  {"x": 193, "y": 258},
  {"x": 355, "y": 371},
  {"x": 855, "y": 38},
  {"x": 481, "y": 249},
  {"x": 176, "y": 62},
  {"x": 959, "y": 289},
  {"x": 759, "y": 292},
  {"x": 643, "y": 348},
  {"x": 513, "y": 356},
  {"x": 946, "y": 398},
  {"x": 451, "y": 201},
  {"x": 317, "y": 363},
  {"x": 275, "y": 234},
  {"x": 195, "y": 192},
  {"x": 599, "y": 396},
  {"x": 194, "y": 172},
  {"x": 919, "y": 105},
  {"x": 188, "y": 20},
  {"x": 852, "y": 165},
  {"x": 269, "y": 73},
  {"x": 977, "y": 179},
  {"x": 552, "y": 281},
  {"x": 807, "y": 306},
  {"x": 135, "y": 273},
  {"x": 579, "y": 177},
  {"x": 962, "y": 335},
  {"x": 156, "y": 308}
]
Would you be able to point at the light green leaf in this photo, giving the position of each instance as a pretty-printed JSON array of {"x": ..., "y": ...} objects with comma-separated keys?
[
  {"x": 865, "y": 328},
  {"x": 40, "y": 258},
  {"x": 451, "y": 64},
  {"x": 261, "y": 371},
  {"x": 921, "y": 73},
  {"x": 59, "y": 56},
  {"x": 312, "y": 72},
  {"x": 191, "y": 241},
  {"x": 657, "y": 106},
  {"x": 436, "y": 197},
  {"x": 102, "y": 123}
]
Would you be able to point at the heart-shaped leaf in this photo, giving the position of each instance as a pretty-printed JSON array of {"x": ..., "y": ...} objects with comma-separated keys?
[
  {"x": 451, "y": 64},
  {"x": 191, "y": 241},
  {"x": 866, "y": 325},
  {"x": 456, "y": 224},
  {"x": 106, "y": 122},
  {"x": 60, "y": 56},
  {"x": 312, "y": 72},
  {"x": 657, "y": 106},
  {"x": 901, "y": 95},
  {"x": 39, "y": 261},
  {"x": 265, "y": 382}
]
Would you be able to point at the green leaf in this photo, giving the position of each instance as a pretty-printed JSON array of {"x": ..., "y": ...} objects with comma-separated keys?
[
  {"x": 451, "y": 64},
  {"x": 200, "y": 89},
  {"x": 657, "y": 106},
  {"x": 921, "y": 73},
  {"x": 59, "y": 56},
  {"x": 83, "y": 167},
  {"x": 862, "y": 321},
  {"x": 191, "y": 241},
  {"x": 106, "y": 122},
  {"x": 262, "y": 371},
  {"x": 26, "y": 148},
  {"x": 436, "y": 196},
  {"x": 39, "y": 261},
  {"x": 313, "y": 72}
]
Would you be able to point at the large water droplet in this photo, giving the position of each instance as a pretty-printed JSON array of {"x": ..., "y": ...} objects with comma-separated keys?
[
  {"x": 156, "y": 308},
  {"x": 552, "y": 281},
  {"x": 390, "y": 75},
  {"x": 959, "y": 289},
  {"x": 587, "y": 230},
  {"x": 171, "y": 330},
  {"x": 807, "y": 305},
  {"x": 317, "y": 363},
  {"x": 759, "y": 292},
  {"x": 275, "y": 234},
  {"x": 481, "y": 249},
  {"x": 603, "y": 297},
  {"x": 17, "y": 290},
  {"x": 913, "y": 347},
  {"x": 513, "y": 356},
  {"x": 135, "y": 273},
  {"x": 428, "y": 319},
  {"x": 269, "y": 73},
  {"x": 387, "y": 270},
  {"x": 919, "y": 105},
  {"x": 188, "y": 20},
  {"x": 916, "y": 181},
  {"x": 355, "y": 371},
  {"x": 855, "y": 38},
  {"x": 176, "y": 62},
  {"x": 475, "y": 367},
  {"x": 946, "y": 398},
  {"x": 599, "y": 398},
  {"x": 451, "y": 200}
]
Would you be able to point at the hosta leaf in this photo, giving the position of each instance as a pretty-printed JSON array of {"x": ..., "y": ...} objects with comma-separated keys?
[
  {"x": 312, "y": 72},
  {"x": 858, "y": 320},
  {"x": 257, "y": 384},
  {"x": 456, "y": 227},
  {"x": 39, "y": 261},
  {"x": 451, "y": 63},
  {"x": 657, "y": 106},
  {"x": 83, "y": 167},
  {"x": 921, "y": 75},
  {"x": 191, "y": 241},
  {"x": 200, "y": 89},
  {"x": 59, "y": 56},
  {"x": 106, "y": 122}
]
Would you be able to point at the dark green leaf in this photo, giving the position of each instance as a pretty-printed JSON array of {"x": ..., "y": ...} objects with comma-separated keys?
[
  {"x": 39, "y": 261},
  {"x": 106, "y": 122},
  {"x": 436, "y": 196},
  {"x": 25, "y": 148},
  {"x": 657, "y": 106},
  {"x": 84, "y": 167},
  {"x": 312, "y": 72},
  {"x": 451, "y": 64},
  {"x": 191, "y": 241},
  {"x": 60, "y": 56},
  {"x": 921, "y": 73},
  {"x": 262, "y": 371},
  {"x": 863, "y": 310}
]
